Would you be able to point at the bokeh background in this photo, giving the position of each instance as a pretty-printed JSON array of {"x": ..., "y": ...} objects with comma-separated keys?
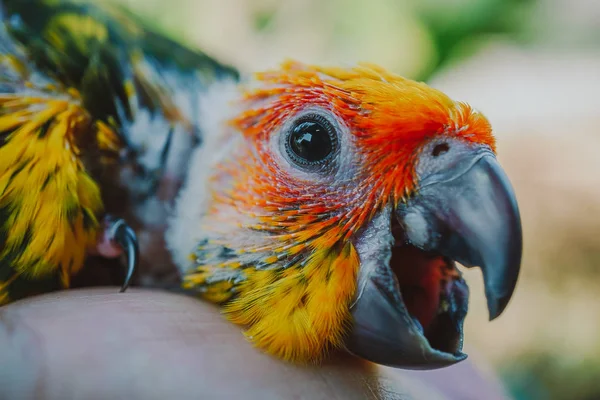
[{"x": 533, "y": 67}]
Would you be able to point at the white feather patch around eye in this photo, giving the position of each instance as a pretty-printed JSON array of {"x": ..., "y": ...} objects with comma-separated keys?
[
  {"x": 339, "y": 169},
  {"x": 215, "y": 108}
]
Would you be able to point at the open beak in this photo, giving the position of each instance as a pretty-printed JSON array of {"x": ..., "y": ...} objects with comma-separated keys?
[{"x": 411, "y": 300}]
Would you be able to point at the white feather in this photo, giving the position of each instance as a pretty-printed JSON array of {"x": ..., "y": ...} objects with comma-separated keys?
[{"x": 185, "y": 229}]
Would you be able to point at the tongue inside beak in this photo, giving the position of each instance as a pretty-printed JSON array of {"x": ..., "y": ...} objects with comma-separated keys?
[{"x": 429, "y": 285}]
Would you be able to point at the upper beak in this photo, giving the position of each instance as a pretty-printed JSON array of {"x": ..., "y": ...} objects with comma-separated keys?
[
  {"x": 474, "y": 219},
  {"x": 468, "y": 214}
]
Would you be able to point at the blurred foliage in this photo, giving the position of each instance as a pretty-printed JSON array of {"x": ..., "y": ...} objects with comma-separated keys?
[
  {"x": 412, "y": 37},
  {"x": 458, "y": 28},
  {"x": 547, "y": 376}
]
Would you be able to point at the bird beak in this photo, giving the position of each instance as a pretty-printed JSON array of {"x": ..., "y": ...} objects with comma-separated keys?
[{"x": 467, "y": 215}]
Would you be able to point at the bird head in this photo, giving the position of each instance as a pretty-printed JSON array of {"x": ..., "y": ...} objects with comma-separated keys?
[{"x": 328, "y": 208}]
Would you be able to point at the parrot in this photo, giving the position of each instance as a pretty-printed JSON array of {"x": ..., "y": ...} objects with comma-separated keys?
[{"x": 321, "y": 207}]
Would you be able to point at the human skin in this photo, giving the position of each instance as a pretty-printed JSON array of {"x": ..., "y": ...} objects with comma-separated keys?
[{"x": 150, "y": 344}]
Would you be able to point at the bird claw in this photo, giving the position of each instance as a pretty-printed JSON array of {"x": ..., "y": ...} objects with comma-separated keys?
[
  {"x": 125, "y": 237},
  {"x": 119, "y": 238}
]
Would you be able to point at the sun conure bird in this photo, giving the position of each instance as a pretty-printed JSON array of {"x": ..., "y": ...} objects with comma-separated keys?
[{"x": 321, "y": 207}]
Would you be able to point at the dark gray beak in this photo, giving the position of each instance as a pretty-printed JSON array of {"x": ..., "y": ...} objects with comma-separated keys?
[
  {"x": 474, "y": 220},
  {"x": 465, "y": 213}
]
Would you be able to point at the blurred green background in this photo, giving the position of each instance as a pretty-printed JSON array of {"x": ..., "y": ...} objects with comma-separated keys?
[{"x": 533, "y": 67}]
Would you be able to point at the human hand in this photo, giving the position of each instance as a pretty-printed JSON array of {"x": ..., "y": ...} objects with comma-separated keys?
[{"x": 147, "y": 344}]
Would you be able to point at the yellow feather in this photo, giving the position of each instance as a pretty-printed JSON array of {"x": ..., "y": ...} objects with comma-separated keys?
[
  {"x": 53, "y": 201},
  {"x": 4, "y": 297},
  {"x": 301, "y": 312}
]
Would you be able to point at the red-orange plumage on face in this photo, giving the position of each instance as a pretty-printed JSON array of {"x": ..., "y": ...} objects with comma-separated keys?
[
  {"x": 386, "y": 117},
  {"x": 280, "y": 244}
]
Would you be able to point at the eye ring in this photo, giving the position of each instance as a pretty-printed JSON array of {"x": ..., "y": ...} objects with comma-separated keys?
[{"x": 311, "y": 141}]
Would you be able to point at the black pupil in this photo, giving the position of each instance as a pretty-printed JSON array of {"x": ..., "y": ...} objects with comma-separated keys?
[{"x": 311, "y": 142}]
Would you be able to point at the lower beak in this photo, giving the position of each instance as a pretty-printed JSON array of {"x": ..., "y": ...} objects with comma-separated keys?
[{"x": 471, "y": 218}]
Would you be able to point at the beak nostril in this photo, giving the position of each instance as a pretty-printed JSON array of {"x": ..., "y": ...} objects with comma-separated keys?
[{"x": 440, "y": 149}]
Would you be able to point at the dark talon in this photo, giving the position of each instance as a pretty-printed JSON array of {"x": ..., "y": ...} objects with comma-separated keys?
[{"x": 125, "y": 237}]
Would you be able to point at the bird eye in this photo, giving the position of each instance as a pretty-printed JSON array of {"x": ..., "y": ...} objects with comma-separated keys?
[
  {"x": 440, "y": 149},
  {"x": 312, "y": 140}
]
